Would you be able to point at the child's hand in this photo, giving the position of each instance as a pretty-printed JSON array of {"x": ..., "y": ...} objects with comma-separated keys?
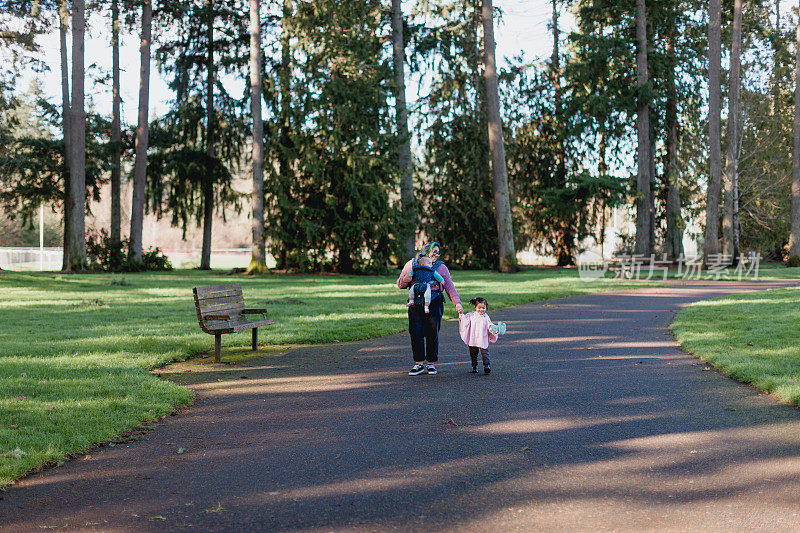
[{"x": 459, "y": 309}]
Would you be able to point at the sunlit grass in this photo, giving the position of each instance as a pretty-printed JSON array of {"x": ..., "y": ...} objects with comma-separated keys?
[
  {"x": 752, "y": 337},
  {"x": 75, "y": 350}
]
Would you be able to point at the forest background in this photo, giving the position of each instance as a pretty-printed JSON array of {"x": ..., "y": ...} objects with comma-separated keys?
[{"x": 332, "y": 147}]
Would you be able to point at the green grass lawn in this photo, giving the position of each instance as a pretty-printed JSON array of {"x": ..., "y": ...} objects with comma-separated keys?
[
  {"x": 75, "y": 350},
  {"x": 754, "y": 338}
]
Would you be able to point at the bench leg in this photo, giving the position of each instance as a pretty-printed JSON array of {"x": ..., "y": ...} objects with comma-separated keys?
[
  {"x": 217, "y": 347},
  {"x": 255, "y": 339}
]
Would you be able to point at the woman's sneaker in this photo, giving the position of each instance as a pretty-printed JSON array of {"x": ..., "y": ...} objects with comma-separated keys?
[
  {"x": 431, "y": 369},
  {"x": 416, "y": 370}
]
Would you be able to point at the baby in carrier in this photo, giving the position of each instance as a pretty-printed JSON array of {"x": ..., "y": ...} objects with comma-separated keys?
[{"x": 423, "y": 276}]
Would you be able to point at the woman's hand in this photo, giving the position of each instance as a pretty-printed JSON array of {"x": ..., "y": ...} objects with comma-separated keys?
[
  {"x": 459, "y": 309},
  {"x": 407, "y": 278}
]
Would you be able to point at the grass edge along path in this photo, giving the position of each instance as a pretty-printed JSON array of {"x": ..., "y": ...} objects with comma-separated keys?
[
  {"x": 753, "y": 338},
  {"x": 76, "y": 350}
]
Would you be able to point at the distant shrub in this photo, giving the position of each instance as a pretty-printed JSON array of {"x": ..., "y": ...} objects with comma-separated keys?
[
  {"x": 105, "y": 255},
  {"x": 793, "y": 261}
]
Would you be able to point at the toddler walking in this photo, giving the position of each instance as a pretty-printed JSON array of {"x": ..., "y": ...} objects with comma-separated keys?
[{"x": 477, "y": 331}]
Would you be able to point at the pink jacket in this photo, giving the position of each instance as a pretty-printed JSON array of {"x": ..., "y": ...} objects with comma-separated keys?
[
  {"x": 474, "y": 330},
  {"x": 447, "y": 285}
]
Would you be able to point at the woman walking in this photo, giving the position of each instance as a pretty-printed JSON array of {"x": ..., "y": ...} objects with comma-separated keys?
[{"x": 424, "y": 327}]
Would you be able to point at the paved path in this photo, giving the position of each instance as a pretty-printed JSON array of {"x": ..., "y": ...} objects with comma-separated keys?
[{"x": 591, "y": 420}]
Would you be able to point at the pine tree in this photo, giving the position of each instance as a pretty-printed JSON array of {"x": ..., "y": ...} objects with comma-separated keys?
[
  {"x": 711, "y": 245},
  {"x": 643, "y": 214},
  {"x": 404, "y": 152},
  {"x": 258, "y": 252},
  {"x": 455, "y": 187},
  {"x": 505, "y": 228},
  {"x": 794, "y": 238},
  {"x": 142, "y": 137},
  {"x": 77, "y": 230},
  {"x": 337, "y": 197}
]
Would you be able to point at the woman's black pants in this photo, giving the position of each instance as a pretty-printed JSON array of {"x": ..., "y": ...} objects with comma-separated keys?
[{"x": 424, "y": 330}]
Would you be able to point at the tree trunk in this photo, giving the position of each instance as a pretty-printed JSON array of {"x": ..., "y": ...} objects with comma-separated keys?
[
  {"x": 142, "y": 133},
  {"x": 777, "y": 43},
  {"x": 404, "y": 149},
  {"x": 285, "y": 127},
  {"x": 258, "y": 254},
  {"x": 643, "y": 244},
  {"x": 77, "y": 234},
  {"x": 208, "y": 186},
  {"x": 794, "y": 237},
  {"x": 674, "y": 237},
  {"x": 730, "y": 242},
  {"x": 116, "y": 210},
  {"x": 603, "y": 170},
  {"x": 651, "y": 200},
  {"x": 711, "y": 245},
  {"x": 63, "y": 14},
  {"x": 565, "y": 239},
  {"x": 505, "y": 230}
]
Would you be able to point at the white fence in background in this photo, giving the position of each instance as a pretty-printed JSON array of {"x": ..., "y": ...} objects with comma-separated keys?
[
  {"x": 30, "y": 258},
  {"x": 51, "y": 258}
]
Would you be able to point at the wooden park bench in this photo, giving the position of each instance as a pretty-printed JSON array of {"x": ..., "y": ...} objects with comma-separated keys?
[{"x": 220, "y": 310}]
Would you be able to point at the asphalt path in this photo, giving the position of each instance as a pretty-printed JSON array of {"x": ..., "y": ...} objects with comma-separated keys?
[{"x": 592, "y": 419}]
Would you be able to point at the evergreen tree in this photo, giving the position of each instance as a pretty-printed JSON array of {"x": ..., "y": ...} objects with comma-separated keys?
[
  {"x": 455, "y": 184},
  {"x": 258, "y": 252},
  {"x": 142, "y": 136},
  {"x": 338, "y": 190},
  {"x": 196, "y": 57}
]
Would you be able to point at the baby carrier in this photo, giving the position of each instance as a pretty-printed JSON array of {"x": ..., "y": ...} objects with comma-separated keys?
[{"x": 423, "y": 277}]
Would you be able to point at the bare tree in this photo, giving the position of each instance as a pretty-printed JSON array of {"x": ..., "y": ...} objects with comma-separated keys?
[
  {"x": 116, "y": 209},
  {"x": 258, "y": 254},
  {"x": 711, "y": 245},
  {"x": 63, "y": 14},
  {"x": 729, "y": 217},
  {"x": 643, "y": 244},
  {"x": 77, "y": 229},
  {"x": 140, "y": 166},
  {"x": 404, "y": 150},
  {"x": 505, "y": 230},
  {"x": 794, "y": 237}
]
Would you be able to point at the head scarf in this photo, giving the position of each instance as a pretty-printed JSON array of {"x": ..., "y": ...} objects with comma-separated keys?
[{"x": 428, "y": 247}]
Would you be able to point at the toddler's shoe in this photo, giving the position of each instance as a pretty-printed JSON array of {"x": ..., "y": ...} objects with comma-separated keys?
[
  {"x": 487, "y": 368},
  {"x": 409, "y": 304},
  {"x": 474, "y": 369},
  {"x": 427, "y": 310}
]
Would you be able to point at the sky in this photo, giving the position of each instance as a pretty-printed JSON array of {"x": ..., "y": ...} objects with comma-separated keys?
[{"x": 524, "y": 27}]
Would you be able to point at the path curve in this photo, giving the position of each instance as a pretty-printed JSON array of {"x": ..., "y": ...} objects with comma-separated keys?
[{"x": 592, "y": 419}]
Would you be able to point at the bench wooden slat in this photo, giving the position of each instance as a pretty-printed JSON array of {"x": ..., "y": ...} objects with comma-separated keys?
[
  {"x": 210, "y": 289},
  {"x": 226, "y": 309},
  {"x": 220, "y": 300},
  {"x": 221, "y": 294},
  {"x": 251, "y": 325}
]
